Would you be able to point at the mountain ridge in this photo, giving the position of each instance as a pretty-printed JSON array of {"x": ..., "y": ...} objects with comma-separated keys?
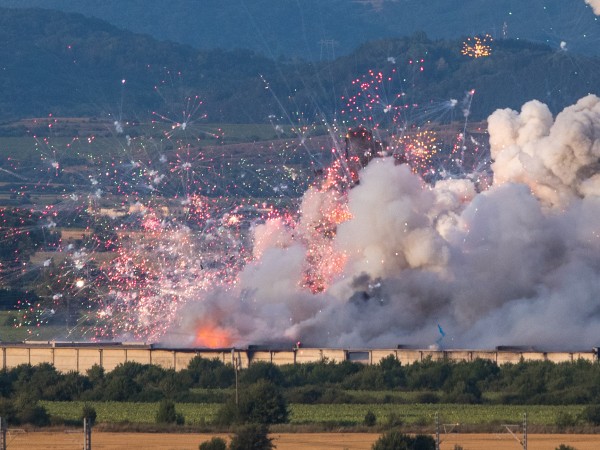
[{"x": 69, "y": 65}]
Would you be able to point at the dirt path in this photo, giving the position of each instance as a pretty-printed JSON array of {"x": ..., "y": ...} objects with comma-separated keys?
[{"x": 289, "y": 441}]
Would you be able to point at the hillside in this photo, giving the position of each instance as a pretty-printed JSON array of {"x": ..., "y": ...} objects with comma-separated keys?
[
  {"x": 292, "y": 28},
  {"x": 70, "y": 65}
]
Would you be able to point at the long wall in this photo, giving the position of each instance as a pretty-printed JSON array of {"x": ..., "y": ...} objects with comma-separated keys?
[{"x": 79, "y": 357}]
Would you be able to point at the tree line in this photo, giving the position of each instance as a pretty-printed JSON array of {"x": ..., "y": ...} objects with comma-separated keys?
[{"x": 208, "y": 380}]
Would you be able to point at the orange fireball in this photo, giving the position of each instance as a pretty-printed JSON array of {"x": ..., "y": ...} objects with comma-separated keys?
[{"x": 212, "y": 336}]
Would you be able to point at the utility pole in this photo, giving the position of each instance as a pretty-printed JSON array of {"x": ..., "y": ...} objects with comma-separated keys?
[
  {"x": 524, "y": 431},
  {"x": 235, "y": 368},
  {"x": 87, "y": 433},
  {"x": 3, "y": 428},
  {"x": 437, "y": 431},
  {"x": 327, "y": 48}
]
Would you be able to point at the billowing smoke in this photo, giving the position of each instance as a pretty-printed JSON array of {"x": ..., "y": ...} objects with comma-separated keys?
[
  {"x": 517, "y": 264},
  {"x": 595, "y": 4}
]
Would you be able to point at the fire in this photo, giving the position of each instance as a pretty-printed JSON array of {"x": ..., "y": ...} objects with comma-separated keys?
[{"x": 212, "y": 336}]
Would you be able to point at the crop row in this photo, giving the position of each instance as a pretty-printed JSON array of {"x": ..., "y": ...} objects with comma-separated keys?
[{"x": 350, "y": 414}]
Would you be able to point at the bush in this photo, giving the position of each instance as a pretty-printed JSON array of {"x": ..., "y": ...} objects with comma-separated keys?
[
  {"x": 88, "y": 412},
  {"x": 263, "y": 403},
  {"x": 262, "y": 371},
  {"x": 227, "y": 414},
  {"x": 394, "y": 420},
  {"x": 565, "y": 420},
  {"x": 251, "y": 437},
  {"x": 394, "y": 440},
  {"x": 592, "y": 414},
  {"x": 210, "y": 373},
  {"x": 305, "y": 394},
  {"x": 215, "y": 443},
  {"x": 370, "y": 419},
  {"x": 8, "y": 410},
  {"x": 427, "y": 398},
  {"x": 35, "y": 415},
  {"x": 166, "y": 413},
  {"x": 565, "y": 447}
]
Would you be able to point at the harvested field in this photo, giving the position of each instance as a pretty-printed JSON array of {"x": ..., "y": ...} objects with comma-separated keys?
[{"x": 286, "y": 441}]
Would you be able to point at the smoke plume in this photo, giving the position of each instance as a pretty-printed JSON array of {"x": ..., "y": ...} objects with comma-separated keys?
[
  {"x": 595, "y": 4},
  {"x": 516, "y": 264}
]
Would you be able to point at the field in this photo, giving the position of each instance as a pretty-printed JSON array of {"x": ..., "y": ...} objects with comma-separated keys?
[
  {"x": 342, "y": 414},
  {"x": 286, "y": 441}
]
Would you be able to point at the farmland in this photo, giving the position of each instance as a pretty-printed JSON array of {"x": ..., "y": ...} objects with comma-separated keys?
[
  {"x": 331, "y": 414},
  {"x": 289, "y": 441}
]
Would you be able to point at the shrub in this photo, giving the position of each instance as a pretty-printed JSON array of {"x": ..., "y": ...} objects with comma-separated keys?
[
  {"x": 592, "y": 414},
  {"x": 35, "y": 415},
  {"x": 166, "y": 413},
  {"x": 262, "y": 371},
  {"x": 227, "y": 414},
  {"x": 120, "y": 388},
  {"x": 370, "y": 419},
  {"x": 427, "y": 397},
  {"x": 251, "y": 437},
  {"x": 394, "y": 420},
  {"x": 305, "y": 394},
  {"x": 263, "y": 403},
  {"x": 210, "y": 373},
  {"x": 88, "y": 412},
  {"x": 564, "y": 420},
  {"x": 8, "y": 410},
  {"x": 423, "y": 442},
  {"x": 565, "y": 447},
  {"x": 394, "y": 440},
  {"x": 335, "y": 395},
  {"x": 215, "y": 443}
]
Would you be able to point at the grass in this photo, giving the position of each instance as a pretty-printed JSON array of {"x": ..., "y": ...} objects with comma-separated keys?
[
  {"x": 27, "y": 147},
  {"x": 345, "y": 414}
]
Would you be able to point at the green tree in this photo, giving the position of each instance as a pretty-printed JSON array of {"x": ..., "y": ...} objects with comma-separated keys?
[
  {"x": 32, "y": 413},
  {"x": 395, "y": 440},
  {"x": 167, "y": 414},
  {"x": 8, "y": 411},
  {"x": 393, "y": 374},
  {"x": 215, "y": 443},
  {"x": 88, "y": 412},
  {"x": 592, "y": 414},
  {"x": 252, "y": 437},
  {"x": 210, "y": 373},
  {"x": 262, "y": 402},
  {"x": 262, "y": 370},
  {"x": 370, "y": 419}
]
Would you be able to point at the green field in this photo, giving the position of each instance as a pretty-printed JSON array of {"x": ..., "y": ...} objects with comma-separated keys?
[{"x": 346, "y": 414}]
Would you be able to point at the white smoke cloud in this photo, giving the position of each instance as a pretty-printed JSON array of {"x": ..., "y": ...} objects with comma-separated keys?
[
  {"x": 516, "y": 264},
  {"x": 595, "y": 4},
  {"x": 557, "y": 159}
]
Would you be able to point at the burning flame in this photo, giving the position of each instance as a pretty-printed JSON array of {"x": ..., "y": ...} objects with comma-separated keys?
[{"x": 212, "y": 336}]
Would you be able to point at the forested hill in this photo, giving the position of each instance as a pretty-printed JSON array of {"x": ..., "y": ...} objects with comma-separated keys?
[
  {"x": 70, "y": 65},
  {"x": 296, "y": 28}
]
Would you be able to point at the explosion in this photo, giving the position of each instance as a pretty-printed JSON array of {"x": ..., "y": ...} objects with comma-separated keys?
[
  {"x": 396, "y": 238},
  {"x": 477, "y": 47},
  {"x": 507, "y": 265}
]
